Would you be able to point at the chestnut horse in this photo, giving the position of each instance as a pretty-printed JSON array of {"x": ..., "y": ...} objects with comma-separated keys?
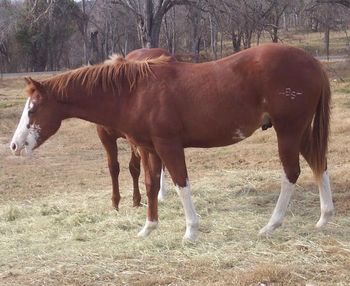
[
  {"x": 164, "y": 107},
  {"x": 108, "y": 137}
]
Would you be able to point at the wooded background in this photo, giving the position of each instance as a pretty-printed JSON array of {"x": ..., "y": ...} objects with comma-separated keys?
[{"x": 40, "y": 35}]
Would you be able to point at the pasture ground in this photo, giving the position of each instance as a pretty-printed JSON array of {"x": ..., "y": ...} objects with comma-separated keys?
[{"x": 57, "y": 226}]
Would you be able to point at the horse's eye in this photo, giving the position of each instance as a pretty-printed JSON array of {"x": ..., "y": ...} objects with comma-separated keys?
[{"x": 31, "y": 111}]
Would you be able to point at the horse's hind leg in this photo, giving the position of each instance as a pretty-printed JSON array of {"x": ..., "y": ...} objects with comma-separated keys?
[
  {"x": 134, "y": 168},
  {"x": 326, "y": 202},
  {"x": 288, "y": 147}
]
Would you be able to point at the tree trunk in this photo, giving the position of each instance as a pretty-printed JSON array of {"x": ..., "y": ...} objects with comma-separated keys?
[
  {"x": 85, "y": 37},
  {"x": 236, "y": 41},
  {"x": 126, "y": 43},
  {"x": 155, "y": 32},
  {"x": 95, "y": 56},
  {"x": 275, "y": 33},
  {"x": 147, "y": 24},
  {"x": 195, "y": 49},
  {"x": 326, "y": 41},
  {"x": 221, "y": 43},
  {"x": 173, "y": 50},
  {"x": 194, "y": 17},
  {"x": 258, "y": 36},
  {"x": 213, "y": 37}
]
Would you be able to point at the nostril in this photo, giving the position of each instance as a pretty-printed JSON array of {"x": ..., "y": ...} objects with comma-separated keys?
[{"x": 13, "y": 147}]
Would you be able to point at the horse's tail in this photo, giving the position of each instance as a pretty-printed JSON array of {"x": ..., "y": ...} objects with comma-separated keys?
[{"x": 317, "y": 144}]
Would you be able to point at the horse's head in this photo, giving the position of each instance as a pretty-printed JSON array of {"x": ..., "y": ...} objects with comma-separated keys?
[{"x": 40, "y": 119}]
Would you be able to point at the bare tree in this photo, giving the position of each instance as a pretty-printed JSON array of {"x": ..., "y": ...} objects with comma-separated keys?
[
  {"x": 149, "y": 15},
  {"x": 170, "y": 30},
  {"x": 277, "y": 10},
  {"x": 195, "y": 18},
  {"x": 330, "y": 17},
  {"x": 8, "y": 21},
  {"x": 345, "y": 3}
]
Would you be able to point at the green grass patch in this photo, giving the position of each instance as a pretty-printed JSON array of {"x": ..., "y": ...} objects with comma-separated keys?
[
  {"x": 341, "y": 87},
  {"x": 7, "y": 104}
]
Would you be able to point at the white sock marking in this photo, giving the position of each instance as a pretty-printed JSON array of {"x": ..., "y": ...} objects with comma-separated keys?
[
  {"x": 276, "y": 219},
  {"x": 162, "y": 190},
  {"x": 326, "y": 202},
  {"x": 190, "y": 212},
  {"x": 148, "y": 228}
]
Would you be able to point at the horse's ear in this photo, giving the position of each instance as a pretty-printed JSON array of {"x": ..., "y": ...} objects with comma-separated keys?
[
  {"x": 34, "y": 85},
  {"x": 37, "y": 85},
  {"x": 28, "y": 80}
]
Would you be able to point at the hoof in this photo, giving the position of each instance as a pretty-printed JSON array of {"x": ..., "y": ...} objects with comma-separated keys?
[
  {"x": 136, "y": 204},
  {"x": 325, "y": 218},
  {"x": 115, "y": 203},
  {"x": 115, "y": 207},
  {"x": 191, "y": 233},
  {"x": 148, "y": 228},
  {"x": 189, "y": 238},
  {"x": 136, "y": 201},
  {"x": 162, "y": 194},
  {"x": 268, "y": 229},
  {"x": 161, "y": 198}
]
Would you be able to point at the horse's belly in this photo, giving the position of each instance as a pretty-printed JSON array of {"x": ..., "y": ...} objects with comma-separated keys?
[{"x": 219, "y": 139}]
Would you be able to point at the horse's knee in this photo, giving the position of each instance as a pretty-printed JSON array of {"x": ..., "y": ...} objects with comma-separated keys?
[
  {"x": 114, "y": 168},
  {"x": 292, "y": 174},
  {"x": 134, "y": 169}
]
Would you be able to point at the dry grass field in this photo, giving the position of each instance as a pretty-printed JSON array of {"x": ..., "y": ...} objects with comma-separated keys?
[{"x": 57, "y": 226}]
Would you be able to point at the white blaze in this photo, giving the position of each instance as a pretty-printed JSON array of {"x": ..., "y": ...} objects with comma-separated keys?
[{"x": 25, "y": 134}]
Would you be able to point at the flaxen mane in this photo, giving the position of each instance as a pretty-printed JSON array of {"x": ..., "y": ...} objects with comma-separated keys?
[{"x": 108, "y": 75}]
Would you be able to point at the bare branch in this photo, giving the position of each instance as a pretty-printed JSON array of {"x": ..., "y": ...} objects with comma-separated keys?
[{"x": 345, "y": 3}]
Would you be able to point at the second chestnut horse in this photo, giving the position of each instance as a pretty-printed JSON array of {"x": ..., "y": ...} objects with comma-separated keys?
[{"x": 109, "y": 135}]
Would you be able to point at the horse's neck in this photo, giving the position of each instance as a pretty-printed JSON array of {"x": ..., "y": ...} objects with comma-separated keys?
[{"x": 97, "y": 106}]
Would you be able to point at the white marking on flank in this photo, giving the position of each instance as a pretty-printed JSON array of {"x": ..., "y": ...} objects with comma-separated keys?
[
  {"x": 190, "y": 212},
  {"x": 239, "y": 135},
  {"x": 326, "y": 202},
  {"x": 276, "y": 219},
  {"x": 148, "y": 228}
]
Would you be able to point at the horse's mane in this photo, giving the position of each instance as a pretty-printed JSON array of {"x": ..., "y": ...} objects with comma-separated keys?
[{"x": 109, "y": 75}]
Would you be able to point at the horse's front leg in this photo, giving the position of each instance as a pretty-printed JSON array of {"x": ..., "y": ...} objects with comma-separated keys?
[
  {"x": 110, "y": 144},
  {"x": 152, "y": 168}
]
